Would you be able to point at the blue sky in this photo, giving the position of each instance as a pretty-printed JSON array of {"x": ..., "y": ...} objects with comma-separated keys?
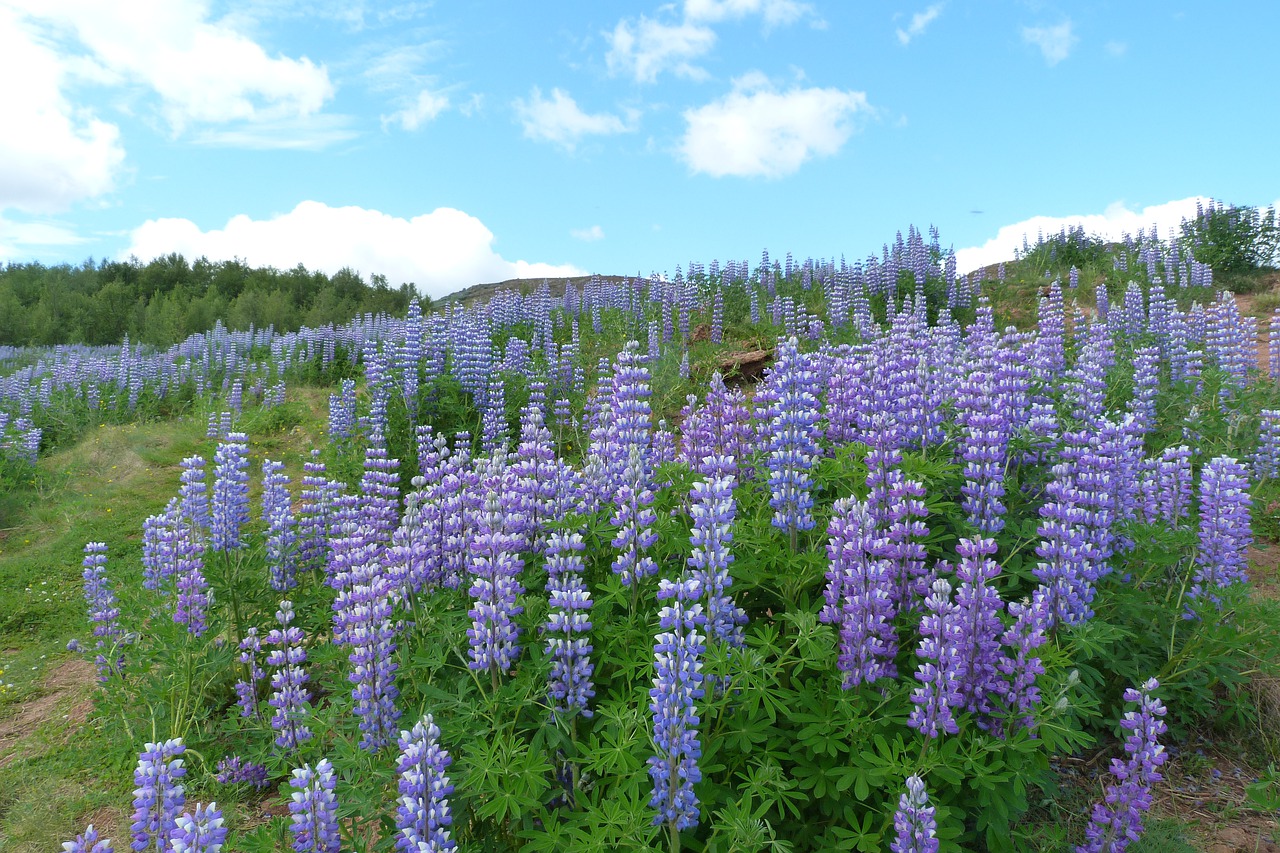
[{"x": 450, "y": 143}]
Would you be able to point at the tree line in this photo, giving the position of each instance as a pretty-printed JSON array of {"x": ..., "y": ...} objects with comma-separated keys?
[{"x": 164, "y": 301}]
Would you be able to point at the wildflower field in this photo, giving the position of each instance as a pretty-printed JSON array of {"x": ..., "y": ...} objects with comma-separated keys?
[{"x": 793, "y": 555}]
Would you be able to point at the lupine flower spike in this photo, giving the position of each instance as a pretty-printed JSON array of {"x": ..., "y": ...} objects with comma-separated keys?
[
  {"x": 423, "y": 816},
  {"x": 202, "y": 832},
  {"x": 913, "y": 823},
  {"x": 159, "y": 796},
  {"x": 1117, "y": 820},
  {"x": 315, "y": 809}
]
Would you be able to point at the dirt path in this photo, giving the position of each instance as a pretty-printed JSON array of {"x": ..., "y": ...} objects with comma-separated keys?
[{"x": 64, "y": 695}]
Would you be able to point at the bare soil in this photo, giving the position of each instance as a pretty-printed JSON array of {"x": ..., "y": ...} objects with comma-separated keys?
[
  {"x": 1204, "y": 786},
  {"x": 65, "y": 692}
]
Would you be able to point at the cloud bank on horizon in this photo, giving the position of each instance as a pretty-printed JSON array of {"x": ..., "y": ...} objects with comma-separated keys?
[
  {"x": 687, "y": 129},
  {"x": 438, "y": 252},
  {"x": 1112, "y": 224}
]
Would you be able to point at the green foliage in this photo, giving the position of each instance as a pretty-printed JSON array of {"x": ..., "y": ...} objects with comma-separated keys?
[
  {"x": 168, "y": 299},
  {"x": 1234, "y": 239},
  {"x": 1070, "y": 248}
]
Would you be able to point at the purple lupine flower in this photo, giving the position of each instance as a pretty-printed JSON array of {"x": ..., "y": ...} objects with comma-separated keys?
[
  {"x": 379, "y": 494},
  {"x": 677, "y": 685},
  {"x": 1266, "y": 461},
  {"x": 884, "y": 462},
  {"x": 1020, "y": 664},
  {"x": 719, "y": 430},
  {"x": 422, "y": 813},
  {"x": 318, "y": 495},
  {"x": 1091, "y": 469},
  {"x": 493, "y": 425},
  {"x": 88, "y": 843},
  {"x": 1065, "y": 553},
  {"x": 1120, "y": 454},
  {"x": 634, "y": 518},
  {"x": 1146, "y": 383},
  {"x": 234, "y": 770},
  {"x": 315, "y": 809},
  {"x": 793, "y": 434},
  {"x": 1117, "y": 820},
  {"x": 939, "y": 689},
  {"x": 717, "y": 317},
  {"x": 983, "y": 452},
  {"x": 289, "y": 695},
  {"x": 495, "y": 567},
  {"x": 159, "y": 552},
  {"x": 459, "y": 508},
  {"x": 192, "y": 602},
  {"x": 159, "y": 797},
  {"x": 978, "y": 610},
  {"x": 567, "y": 627},
  {"x": 1273, "y": 346},
  {"x": 202, "y": 832},
  {"x": 663, "y": 447},
  {"x": 627, "y": 459},
  {"x": 1173, "y": 480},
  {"x": 363, "y": 620},
  {"x": 193, "y": 494},
  {"x": 1086, "y": 381},
  {"x": 103, "y": 611},
  {"x": 229, "y": 507},
  {"x": 1225, "y": 532},
  {"x": 247, "y": 691},
  {"x": 1051, "y": 357},
  {"x": 1229, "y": 339},
  {"x": 535, "y": 471},
  {"x": 901, "y": 543},
  {"x": 282, "y": 533},
  {"x": 913, "y": 822},
  {"x": 859, "y": 601},
  {"x": 713, "y": 513}
]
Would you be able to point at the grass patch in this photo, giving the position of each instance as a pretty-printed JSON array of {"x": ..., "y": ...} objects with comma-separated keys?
[{"x": 68, "y": 767}]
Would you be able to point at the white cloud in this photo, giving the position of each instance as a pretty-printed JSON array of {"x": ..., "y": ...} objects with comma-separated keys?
[
  {"x": 52, "y": 154},
  {"x": 441, "y": 251},
  {"x": 1116, "y": 48},
  {"x": 758, "y": 130},
  {"x": 646, "y": 48},
  {"x": 304, "y": 133},
  {"x": 202, "y": 71},
  {"x": 426, "y": 107},
  {"x": 1055, "y": 42},
  {"x": 20, "y": 241},
  {"x": 1112, "y": 224},
  {"x": 774, "y": 12},
  {"x": 588, "y": 235},
  {"x": 919, "y": 23},
  {"x": 560, "y": 120}
]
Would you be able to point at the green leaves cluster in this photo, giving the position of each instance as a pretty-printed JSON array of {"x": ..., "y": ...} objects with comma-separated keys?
[{"x": 1234, "y": 239}]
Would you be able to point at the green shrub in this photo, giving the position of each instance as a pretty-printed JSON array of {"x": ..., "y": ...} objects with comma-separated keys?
[{"x": 1233, "y": 239}]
